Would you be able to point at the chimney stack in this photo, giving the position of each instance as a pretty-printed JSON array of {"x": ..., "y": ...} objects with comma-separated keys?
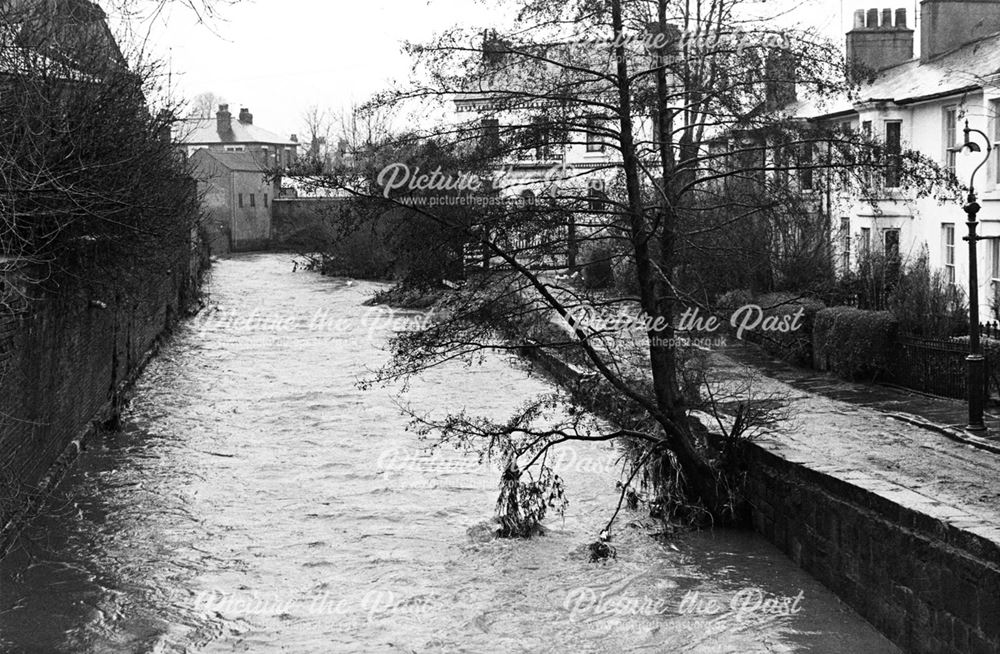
[
  {"x": 780, "y": 71},
  {"x": 224, "y": 119},
  {"x": 246, "y": 116},
  {"x": 948, "y": 24},
  {"x": 873, "y": 46}
]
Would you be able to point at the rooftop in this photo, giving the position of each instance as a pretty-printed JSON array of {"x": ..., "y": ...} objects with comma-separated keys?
[
  {"x": 205, "y": 131},
  {"x": 70, "y": 39},
  {"x": 963, "y": 69}
]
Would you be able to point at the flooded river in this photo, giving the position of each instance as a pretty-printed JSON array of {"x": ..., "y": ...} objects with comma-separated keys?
[{"x": 258, "y": 501}]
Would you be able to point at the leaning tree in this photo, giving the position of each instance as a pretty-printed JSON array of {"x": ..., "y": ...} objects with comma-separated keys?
[{"x": 711, "y": 175}]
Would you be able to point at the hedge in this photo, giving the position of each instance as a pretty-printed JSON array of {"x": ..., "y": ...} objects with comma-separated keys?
[
  {"x": 794, "y": 346},
  {"x": 853, "y": 343},
  {"x": 597, "y": 267}
]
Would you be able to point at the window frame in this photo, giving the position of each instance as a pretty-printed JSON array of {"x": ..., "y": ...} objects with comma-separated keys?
[
  {"x": 491, "y": 133},
  {"x": 995, "y": 260},
  {"x": 894, "y": 166},
  {"x": 845, "y": 243},
  {"x": 595, "y": 141},
  {"x": 885, "y": 242},
  {"x": 948, "y": 251},
  {"x": 995, "y": 116},
  {"x": 597, "y": 200},
  {"x": 807, "y": 153},
  {"x": 949, "y": 128},
  {"x": 866, "y": 240}
]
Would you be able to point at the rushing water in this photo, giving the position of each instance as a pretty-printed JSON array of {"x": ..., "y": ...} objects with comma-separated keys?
[{"x": 258, "y": 501}]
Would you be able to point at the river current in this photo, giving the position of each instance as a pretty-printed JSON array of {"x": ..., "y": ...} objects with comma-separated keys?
[{"x": 257, "y": 500}]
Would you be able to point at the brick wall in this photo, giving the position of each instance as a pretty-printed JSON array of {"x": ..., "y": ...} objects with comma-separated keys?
[
  {"x": 63, "y": 363},
  {"x": 928, "y": 585}
]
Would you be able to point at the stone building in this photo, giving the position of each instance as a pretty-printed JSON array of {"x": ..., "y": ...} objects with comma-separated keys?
[
  {"x": 237, "y": 197},
  {"x": 226, "y": 133}
]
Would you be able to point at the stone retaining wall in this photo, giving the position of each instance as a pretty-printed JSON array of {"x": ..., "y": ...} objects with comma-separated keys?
[
  {"x": 64, "y": 366},
  {"x": 925, "y": 574}
]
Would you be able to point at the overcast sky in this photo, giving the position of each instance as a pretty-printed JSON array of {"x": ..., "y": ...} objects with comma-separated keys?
[{"x": 278, "y": 57}]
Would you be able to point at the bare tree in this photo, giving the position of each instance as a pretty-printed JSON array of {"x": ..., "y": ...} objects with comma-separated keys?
[
  {"x": 361, "y": 129},
  {"x": 691, "y": 98},
  {"x": 92, "y": 189},
  {"x": 204, "y": 105}
]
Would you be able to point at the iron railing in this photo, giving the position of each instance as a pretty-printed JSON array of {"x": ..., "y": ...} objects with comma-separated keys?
[{"x": 933, "y": 366}]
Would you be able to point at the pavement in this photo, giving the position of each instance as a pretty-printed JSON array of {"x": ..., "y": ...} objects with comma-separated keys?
[
  {"x": 946, "y": 416},
  {"x": 907, "y": 446},
  {"x": 904, "y": 445}
]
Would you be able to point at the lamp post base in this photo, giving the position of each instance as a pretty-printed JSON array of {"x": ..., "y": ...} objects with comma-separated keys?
[{"x": 977, "y": 399}]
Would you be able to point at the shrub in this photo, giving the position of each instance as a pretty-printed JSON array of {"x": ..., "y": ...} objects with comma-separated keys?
[
  {"x": 597, "y": 266},
  {"x": 854, "y": 343},
  {"x": 626, "y": 275},
  {"x": 733, "y": 300},
  {"x": 870, "y": 283},
  {"x": 925, "y": 304},
  {"x": 793, "y": 346}
]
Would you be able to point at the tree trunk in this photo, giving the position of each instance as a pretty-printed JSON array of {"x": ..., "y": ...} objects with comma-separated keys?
[{"x": 657, "y": 300}]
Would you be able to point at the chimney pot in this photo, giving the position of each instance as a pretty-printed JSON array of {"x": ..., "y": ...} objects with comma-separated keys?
[
  {"x": 878, "y": 45},
  {"x": 246, "y": 116},
  {"x": 859, "y": 19}
]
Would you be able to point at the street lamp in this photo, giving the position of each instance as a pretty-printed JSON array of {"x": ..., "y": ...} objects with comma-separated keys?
[{"x": 977, "y": 364}]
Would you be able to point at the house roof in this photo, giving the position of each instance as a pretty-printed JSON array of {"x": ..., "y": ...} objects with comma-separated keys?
[
  {"x": 964, "y": 69},
  {"x": 237, "y": 161},
  {"x": 70, "y": 39},
  {"x": 205, "y": 131}
]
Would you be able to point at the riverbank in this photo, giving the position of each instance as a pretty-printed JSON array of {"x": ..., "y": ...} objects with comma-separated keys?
[
  {"x": 402, "y": 297},
  {"x": 68, "y": 364},
  {"x": 900, "y": 521}
]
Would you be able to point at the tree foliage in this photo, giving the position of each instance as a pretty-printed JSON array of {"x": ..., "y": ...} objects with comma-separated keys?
[
  {"x": 712, "y": 183},
  {"x": 92, "y": 191}
]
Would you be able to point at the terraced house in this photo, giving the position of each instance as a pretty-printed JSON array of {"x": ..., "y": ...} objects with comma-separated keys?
[{"x": 923, "y": 86}]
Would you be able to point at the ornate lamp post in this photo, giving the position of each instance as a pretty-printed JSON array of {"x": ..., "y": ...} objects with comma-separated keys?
[{"x": 975, "y": 359}]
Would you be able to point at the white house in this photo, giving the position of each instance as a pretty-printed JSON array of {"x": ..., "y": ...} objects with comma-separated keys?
[
  {"x": 921, "y": 101},
  {"x": 550, "y": 162}
]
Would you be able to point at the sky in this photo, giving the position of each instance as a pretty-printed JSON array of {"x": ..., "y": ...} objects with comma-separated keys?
[{"x": 279, "y": 57}]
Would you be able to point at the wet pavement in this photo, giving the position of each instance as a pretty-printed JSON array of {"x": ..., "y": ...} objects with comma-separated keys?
[{"x": 930, "y": 411}]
